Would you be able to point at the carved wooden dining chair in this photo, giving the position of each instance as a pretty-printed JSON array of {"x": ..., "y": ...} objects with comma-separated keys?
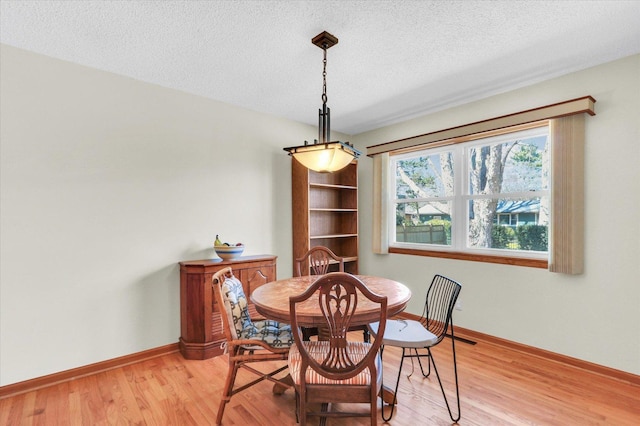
[
  {"x": 336, "y": 370},
  {"x": 429, "y": 331},
  {"x": 247, "y": 341},
  {"x": 318, "y": 261}
]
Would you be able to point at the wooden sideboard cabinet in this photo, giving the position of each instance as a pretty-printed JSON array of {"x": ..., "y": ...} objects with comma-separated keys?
[{"x": 201, "y": 334}]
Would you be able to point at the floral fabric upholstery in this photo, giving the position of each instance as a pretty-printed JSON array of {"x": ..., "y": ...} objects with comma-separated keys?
[
  {"x": 236, "y": 307},
  {"x": 318, "y": 350}
]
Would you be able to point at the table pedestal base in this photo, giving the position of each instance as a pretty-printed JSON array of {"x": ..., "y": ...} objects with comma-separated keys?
[
  {"x": 387, "y": 395},
  {"x": 287, "y": 382}
]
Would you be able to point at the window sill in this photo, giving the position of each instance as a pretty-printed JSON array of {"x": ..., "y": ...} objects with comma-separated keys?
[{"x": 504, "y": 260}]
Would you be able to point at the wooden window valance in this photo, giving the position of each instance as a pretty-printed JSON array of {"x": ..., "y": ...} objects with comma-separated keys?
[{"x": 561, "y": 109}]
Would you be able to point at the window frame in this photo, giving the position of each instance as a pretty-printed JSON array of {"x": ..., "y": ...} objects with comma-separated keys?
[{"x": 459, "y": 248}]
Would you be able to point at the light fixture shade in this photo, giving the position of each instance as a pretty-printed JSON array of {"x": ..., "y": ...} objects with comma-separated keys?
[{"x": 324, "y": 157}]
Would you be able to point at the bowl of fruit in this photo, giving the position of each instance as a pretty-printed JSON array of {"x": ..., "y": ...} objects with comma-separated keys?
[{"x": 227, "y": 251}]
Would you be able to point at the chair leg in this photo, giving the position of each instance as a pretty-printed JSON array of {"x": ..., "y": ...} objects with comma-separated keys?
[
  {"x": 302, "y": 396},
  {"x": 228, "y": 388},
  {"x": 419, "y": 356},
  {"x": 431, "y": 361},
  {"x": 324, "y": 408},
  {"x": 373, "y": 405},
  {"x": 395, "y": 393},
  {"x": 455, "y": 371}
]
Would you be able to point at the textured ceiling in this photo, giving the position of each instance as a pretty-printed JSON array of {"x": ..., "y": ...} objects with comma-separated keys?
[{"x": 395, "y": 59}]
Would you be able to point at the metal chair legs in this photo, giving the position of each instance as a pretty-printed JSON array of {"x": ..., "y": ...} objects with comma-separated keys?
[
  {"x": 430, "y": 361},
  {"x": 395, "y": 393},
  {"x": 444, "y": 395}
]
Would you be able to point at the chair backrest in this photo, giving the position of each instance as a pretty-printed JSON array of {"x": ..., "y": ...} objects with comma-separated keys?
[
  {"x": 232, "y": 303},
  {"x": 319, "y": 258},
  {"x": 438, "y": 309},
  {"x": 337, "y": 298}
]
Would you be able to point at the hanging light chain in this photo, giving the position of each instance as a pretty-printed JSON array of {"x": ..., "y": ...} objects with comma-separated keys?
[
  {"x": 324, "y": 74},
  {"x": 313, "y": 156}
]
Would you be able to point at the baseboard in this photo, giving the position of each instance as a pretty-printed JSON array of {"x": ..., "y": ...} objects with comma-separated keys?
[
  {"x": 87, "y": 370},
  {"x": 531, "y": 350}
]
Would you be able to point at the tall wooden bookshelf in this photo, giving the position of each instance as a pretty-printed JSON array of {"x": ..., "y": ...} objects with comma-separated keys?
[{"x": 325, "y": 213}]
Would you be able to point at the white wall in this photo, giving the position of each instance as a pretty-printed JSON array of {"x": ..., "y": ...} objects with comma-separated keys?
[
  {"x": 106, "y": 184},
  {"x": 594, "y": 316}
]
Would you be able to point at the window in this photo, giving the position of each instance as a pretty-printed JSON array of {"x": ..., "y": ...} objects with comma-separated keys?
[
  {"x": 488, "y": 195},
  {"x": 553, "y": 199}
]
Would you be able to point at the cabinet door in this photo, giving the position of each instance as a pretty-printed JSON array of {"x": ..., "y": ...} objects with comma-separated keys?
[{"x": 253, "y": 278}]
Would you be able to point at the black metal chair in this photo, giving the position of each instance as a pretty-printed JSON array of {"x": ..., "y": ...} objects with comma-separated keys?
[{"x": 429, "y": 331}]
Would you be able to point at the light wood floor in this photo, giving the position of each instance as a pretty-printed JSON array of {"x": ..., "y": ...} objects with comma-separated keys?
[{"x": 498, "y": 386}]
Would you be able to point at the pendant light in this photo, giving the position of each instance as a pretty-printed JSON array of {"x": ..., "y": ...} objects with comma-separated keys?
[{"x": 323, "y": 155}]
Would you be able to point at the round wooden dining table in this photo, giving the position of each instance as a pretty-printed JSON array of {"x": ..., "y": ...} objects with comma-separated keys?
[{"x": 272, "y": 300}]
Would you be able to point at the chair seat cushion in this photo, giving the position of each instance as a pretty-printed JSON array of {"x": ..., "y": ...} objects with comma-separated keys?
[
  {"x": 235, "y": 305},
  {"x": 405, "y": 334},
  {"x": 271, "y": 332},
  {"x": 318, "y": 350}
]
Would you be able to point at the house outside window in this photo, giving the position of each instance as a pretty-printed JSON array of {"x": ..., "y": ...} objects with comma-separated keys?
[{"x": 489, "y": 195}]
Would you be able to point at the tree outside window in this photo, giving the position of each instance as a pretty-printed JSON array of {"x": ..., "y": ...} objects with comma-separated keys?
[{"x": 483, "y": 195}]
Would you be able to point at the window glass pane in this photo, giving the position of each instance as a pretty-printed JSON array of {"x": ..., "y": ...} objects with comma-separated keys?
[
  {"x": 518, "y": 165},
  {"x": 509, "y": 224},
  {"x": 486, "y": 196},
  {"x": 424, "y": 222},
  {"x": 424, "y": 176}
]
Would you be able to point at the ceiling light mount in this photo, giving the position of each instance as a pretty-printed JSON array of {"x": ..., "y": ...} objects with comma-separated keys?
[
  {"x": 324, "y": 40},
  {"x": 323, "y": 155}
]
